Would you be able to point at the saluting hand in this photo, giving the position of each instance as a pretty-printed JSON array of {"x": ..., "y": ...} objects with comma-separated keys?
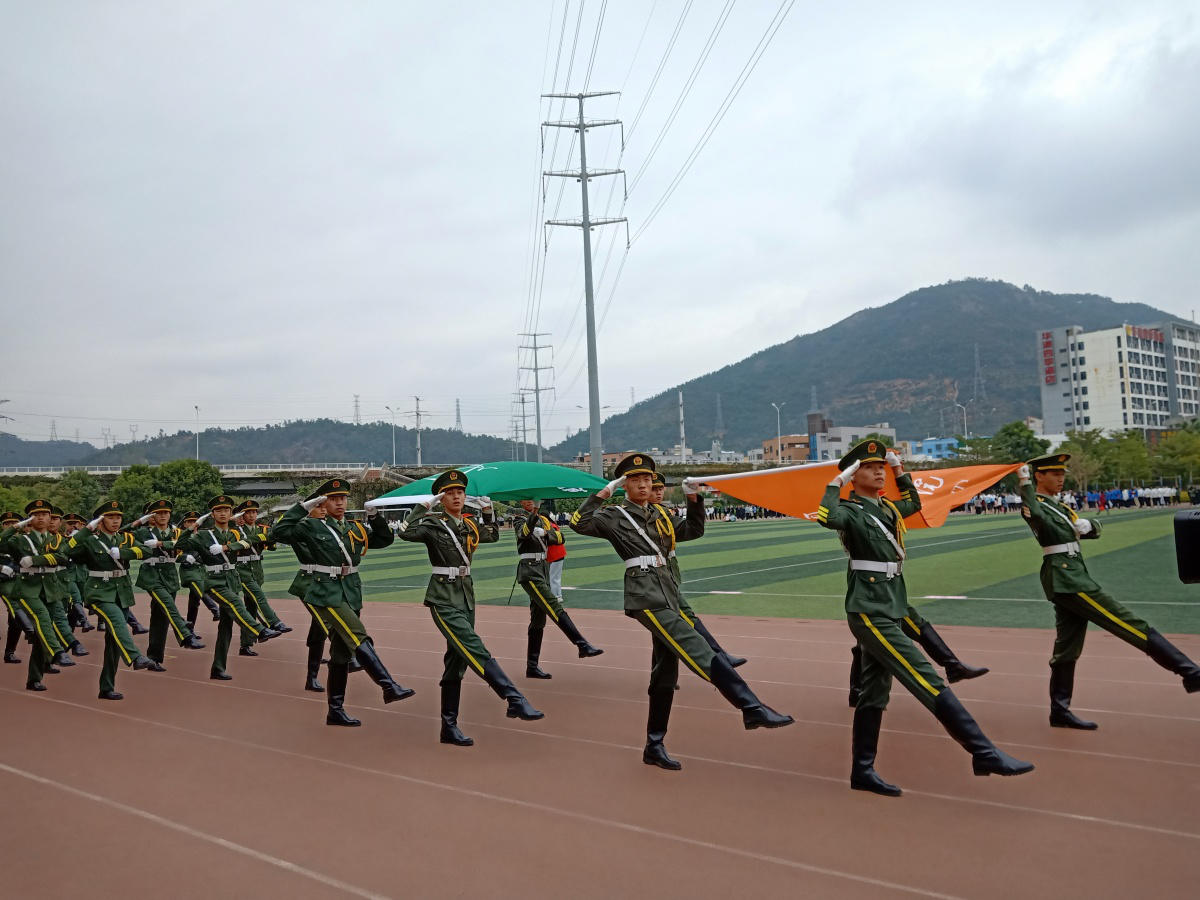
[
  {"x": 25, "y": 523},
  {"x": 310, "y": 505},
  {"x": 434, "y": 501},
  {"x": 607, "y": 491},
  {"x": 892, "y": 458},
  {"x": 842, "y": 478},
  {"x": 94, "y": 524}
]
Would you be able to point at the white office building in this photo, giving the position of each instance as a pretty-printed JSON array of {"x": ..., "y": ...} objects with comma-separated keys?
[{"x": 1134, "y": 376}]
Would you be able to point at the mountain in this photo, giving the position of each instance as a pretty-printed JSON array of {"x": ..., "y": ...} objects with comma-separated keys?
[
  {"x": 896, "y": 363},
  {"x": 315, "y": 441}
]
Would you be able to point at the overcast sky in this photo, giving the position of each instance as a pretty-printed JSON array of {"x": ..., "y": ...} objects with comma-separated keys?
[{"x": 265, "y": 208}]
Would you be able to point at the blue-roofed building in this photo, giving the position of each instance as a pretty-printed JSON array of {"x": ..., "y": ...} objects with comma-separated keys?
[{"x": 935, "y": 448}]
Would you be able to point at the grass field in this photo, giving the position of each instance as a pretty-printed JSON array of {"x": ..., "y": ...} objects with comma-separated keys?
[{"x": 975, "y": 570}]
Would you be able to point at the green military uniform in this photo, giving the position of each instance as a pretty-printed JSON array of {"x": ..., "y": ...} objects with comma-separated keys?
[
  {"x": 333, "y": 594},
  {"x": 36, "y": 592},
  {"x": 109, "y": 592},
  {"x": 451, "y": 541},
  {"x": 1078, "y": 599},
  {"x": 58, "y": 593},
  {"x": 534, "y": 535},
  {"x": 317, "y": 630},
  {"x": 871, "y": 529},
  {"x": 213, "y": 547},
  {"x": 192, "y": 577},
  {"x": 660, "y": 485},
  {"x": 643, "y": 535},
  {"x": 159, "y": 578},
  {"x": 74, "y": 577},
  {"x": 18, "y": 620},
  {"x": 250, "y": 569}
]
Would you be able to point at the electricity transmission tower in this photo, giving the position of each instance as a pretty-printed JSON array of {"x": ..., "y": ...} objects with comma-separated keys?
[
  {"x": 537, "y": 369},
  {"x": 586, "y": 223},
  {"x": 979, "y": 390},
  {"x": 457, "y": 415}
]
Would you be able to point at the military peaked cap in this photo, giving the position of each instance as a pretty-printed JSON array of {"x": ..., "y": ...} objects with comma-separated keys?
[
  {"x": 190, "y": 516},
  {"x": 865, "y": 452},
  {"x": 451, "y": 479},
  {"x": 55, "y": 511},
  {"x": 1051, "y": 462},
  {"x": 334, "y": 487},
  {"x": 158, "y": 506},
  {"x": 218, "y": 501},
  {"x": 660, "y": 480},
  {"x": 635, "y": 464},
  {"x": 7, "y": 517},
  {"x": 74, "y": 519},
  {"x": 245, "y": 505},
  {"x": 34, "y": 506},
  {"x": 108, "y": 508}
]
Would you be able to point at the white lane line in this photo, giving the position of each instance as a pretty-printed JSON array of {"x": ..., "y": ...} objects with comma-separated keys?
[
  {"x": 188, "y": 830},
  {"x": 651, "y": 833}
]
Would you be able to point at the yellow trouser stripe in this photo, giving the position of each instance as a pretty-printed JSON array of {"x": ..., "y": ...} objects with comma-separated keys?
[
  {"x": 682, "y": 653},
  {"x": 112, "y": 633},
  {"x": 345, "y": 627},
  {"x": 545, "y": 603},
  {"x": 170, "y": 618},
  {"x": 1109, "y": 615},
  {"x": 686, "y": 619},
  {"x": 11, "y": 609},
  {"x": 58, "y": 631},
  {"x": 912, "y": 624},
  {"x": 461, "y": 649},
  {"x": 896, "y": 653},
  {"x": 38, "y": 625},
  {"x": 233, "y": 609},
  {"x": 312, "y": 611}
]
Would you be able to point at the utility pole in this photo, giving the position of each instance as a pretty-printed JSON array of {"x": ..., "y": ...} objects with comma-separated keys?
[
  {"x": 418, "y": 414},
  {"x": 682, "y": 436},
  {"x": 197, "y": 432},
  {"x": 393, "y": 412},
  {"x": 357, "y": 415},
  {"x": 779, "y": 430},
  {"x": 524, "y": 428},
  {"x": 457, "y": 415},
  {"x": 537, "y": 385},
  {"x": 586, "y": 223}
]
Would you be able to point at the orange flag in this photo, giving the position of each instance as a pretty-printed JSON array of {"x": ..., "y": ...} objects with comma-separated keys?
[{"x": 797, "y": 490}]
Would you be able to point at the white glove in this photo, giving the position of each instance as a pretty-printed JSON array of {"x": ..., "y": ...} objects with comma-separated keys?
[
  {"x": 1082, "y": 526},
  {"x": 7, "y": 571},
  {"x": 841, "y": 479},
  {"x": 114, "y": 552},
  {"x": 201, "y": 519},
  {"x": 26, "y": 562},
  {"x": 214, "y": 549},
  {"x": 692, "y": 487},
  {"x": 310, "y": 505},
  {"x": 95, "y": 523},
  {"x": 539, "y": 532},
  {"x": 612, "y": 487},
  {"x": 892, "y": 458},
  {"x": 190, "y": 560},
  {"x": 485, "y": 503},
  {"x": 1023, "y": 474},
  {"x": 144, "y": 519},
  {"x": 434, "y": 501},
  {"x": 151, "y": 543},
  {"x": 25, "y": 523}
]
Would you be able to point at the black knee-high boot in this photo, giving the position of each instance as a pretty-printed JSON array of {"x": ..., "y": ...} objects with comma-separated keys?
[
  {"x": 573, "y": 635},
  {"x": 855, "y": 674},
  {"x": 534, "y": 654},
  {"x": 755, "y": 713},
  {"x": 81, "y": 618},
  {"x": 314, "y": 669},
  {"x": 956, "y": 670},
  {"x": 703, "y": 631},
  {"x": 336, "y": 696},
  {"x": 1173, "y": 660},
  {"x": 134, "y": 625},
  {"x": 864, "y": 746},
  {"x": 10, "y": 642},
  {"x": 1062, "y": 688},
  {"x": 373, "y": 666},
  {"x": 986, "y": 757},
  {"x": 451, "y": 695},
  {"x": 655, "y": 753},
  {"x": 518, "y": 706}
]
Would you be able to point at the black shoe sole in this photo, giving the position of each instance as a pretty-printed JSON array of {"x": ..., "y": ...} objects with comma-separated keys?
[
  {"x": 868, "y": 789},
  {"x": 315, "y": 690},
  {"x": 662, "y": 765},
  {"x": 750, "y": 726},
  {"x": 1022, "y": 771},
  {"x": 353, "y": 723},
  {"x": 540, "y": 676},
  {"x": 1084, "y": 726},
  {"x": 958, "y": 676},
  {"x": 512, "y": 714},
  {"x": 403, "y": 695}
]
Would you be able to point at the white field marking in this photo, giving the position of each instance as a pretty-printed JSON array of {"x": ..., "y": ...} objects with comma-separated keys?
[
  {"x": 520, "y": 731},
  {"x": 191, "y": 832},
  {"x": 726, "y": 592},
  {"x": 616, "y": 824}
]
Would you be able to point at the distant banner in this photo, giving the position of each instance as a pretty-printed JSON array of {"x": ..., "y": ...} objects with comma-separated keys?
[{"x": 797, "y": 490}]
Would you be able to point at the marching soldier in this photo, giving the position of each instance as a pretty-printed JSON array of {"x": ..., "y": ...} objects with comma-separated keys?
[
  {"x": 191, "y": 576},
  {"x": 451, "y": 538},
  {"x": 1076, "y": 597},
  {"x": 250, "y": 567},
  {"x": 75, "y": 576},
  {"x": 643, "y": 534},
  {"x": 334, "y": 590},
  {"x": 9, "y": 566},
  {"x": 213, "y": 547},
  {"x": 534, "y": 536},
  {"x": 317, "y": 631},
  {"x": 158, "y": 577},
  {"x": 35, "y": 592},
  {"x": 106, "y": 552},
  {"x": 58, "y": 592},
  {"x": 871, "y": 529},
  {"x": 657, "y": 493}
]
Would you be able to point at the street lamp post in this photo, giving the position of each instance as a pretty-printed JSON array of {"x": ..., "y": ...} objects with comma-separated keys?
[
  {"x": 393, "y": 412},
  {"x": 197, "y": 432},
  {"x": 778, "y": 433}
]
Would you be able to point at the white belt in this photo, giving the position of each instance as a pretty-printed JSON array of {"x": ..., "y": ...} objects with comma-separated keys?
[
  {"x": 104, "y": 576},
  {"x": 159, "y": 561},
  {"x": 333, "y": 571},
  {"x": 452, "y": 572},
  {"x": 534, "y": 556},
  {"x": 645, "y": 562},
  {"x": 671, "y": 555},
  {"x": 39, "y": 570},
  {"x": 216, "y": 570},
  {"x": 889, "y": 569},
  {"x": 253, "y": 557},
  {"x": 1071, "y": 548}
]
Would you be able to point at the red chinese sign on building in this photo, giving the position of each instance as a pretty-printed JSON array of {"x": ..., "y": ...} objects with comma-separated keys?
[{"x": 1049, "y": 373}]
